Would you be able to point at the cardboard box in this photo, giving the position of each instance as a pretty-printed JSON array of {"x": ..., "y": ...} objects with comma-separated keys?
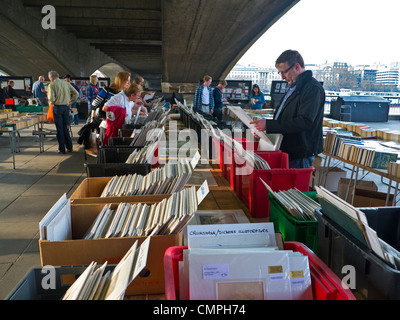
[
  {"x": 82, "y": 252},
  {"x": 89, "y": 191},
  {"x": 361, "y": 185},
  {"x": 332, "y": 178},
  {"x": 368, "y": 198}
]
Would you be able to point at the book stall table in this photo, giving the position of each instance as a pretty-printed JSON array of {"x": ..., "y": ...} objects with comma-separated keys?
[
  {"x": 14, "y": 126},
  {"x": 356, "y": 166}
]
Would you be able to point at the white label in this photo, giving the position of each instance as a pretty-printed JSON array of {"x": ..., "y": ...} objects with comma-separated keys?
[
  {"x": 202, "y": 192},
  {"x": 297, "y": 282},
  {"x": 142, "y": 257},
  {"x": 215, "y": 271},
  {"x": 276, "y": 277},
  {"x": 242, "y": 229},
  {"x": 195, "y": 160}
]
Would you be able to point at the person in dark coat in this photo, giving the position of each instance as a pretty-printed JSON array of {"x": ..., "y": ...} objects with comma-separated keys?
[
  {"x": 10, "y": 92},
  {"x": 300, "y": 114}
]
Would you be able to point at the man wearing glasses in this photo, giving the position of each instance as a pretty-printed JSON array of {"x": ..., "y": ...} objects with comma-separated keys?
[{"x": 300, "y": 113}]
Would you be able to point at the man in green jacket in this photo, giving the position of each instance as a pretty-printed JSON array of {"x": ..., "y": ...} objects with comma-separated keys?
[{"x": 61, "y": 95}]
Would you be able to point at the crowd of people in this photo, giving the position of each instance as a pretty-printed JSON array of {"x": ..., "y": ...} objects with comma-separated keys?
[
  {"x": 211, "y": 101},
  {"x": 108, "y": 108},
  {"x": 298, "y": 117}
]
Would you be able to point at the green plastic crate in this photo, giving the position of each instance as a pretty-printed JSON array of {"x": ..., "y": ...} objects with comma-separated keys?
[{"x": 292, "y": 229}]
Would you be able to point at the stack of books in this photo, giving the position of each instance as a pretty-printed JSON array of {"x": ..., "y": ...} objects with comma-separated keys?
[
  {"x": 300, "y": 206},
  {"x": 102, "y": 284},
  {"x": 167, "y": 217},
  {"x": 144, "y": 155},
  {"x": 170, "y": 178},
  {"x": 150, "y": 133}
]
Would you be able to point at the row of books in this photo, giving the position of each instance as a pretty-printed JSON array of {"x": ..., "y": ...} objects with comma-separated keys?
[
  {"x": 143, "y": 155},
  {"x": 157, "y": 113},
  {"x": 170, "y": 178},
  {"x": 249, "y": 156},
  {"x": 367, "y": 153},
  {"x": 296, "y": 203},
  {"x": 149, "y": 133},
  {"x": 363, "y": 130},
  {"x": 169, "y": 216}
]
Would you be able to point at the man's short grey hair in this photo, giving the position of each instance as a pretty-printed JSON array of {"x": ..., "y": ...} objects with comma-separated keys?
[{"x": 54, "y": 74}]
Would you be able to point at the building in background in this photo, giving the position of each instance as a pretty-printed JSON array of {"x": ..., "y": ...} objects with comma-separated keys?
[
  {"x": 336, "y": 76},
  {"x": 263, "y": 76}
]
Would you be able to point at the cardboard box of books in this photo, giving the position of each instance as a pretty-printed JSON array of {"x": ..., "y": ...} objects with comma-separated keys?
[
  {"x": 80, "y": 234},
  {"x": 75, "y": 250},
  {"x": 90, "y": 190},
  {"x": 154, "y": 186}
]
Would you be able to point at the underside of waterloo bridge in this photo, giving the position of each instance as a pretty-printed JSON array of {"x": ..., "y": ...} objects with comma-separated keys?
[{"x": 168, "y": 42}]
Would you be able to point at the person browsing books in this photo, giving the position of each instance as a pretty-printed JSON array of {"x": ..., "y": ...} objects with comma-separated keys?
[
  {"x": 203, "y": 97},
  {"x": 127, "y": 99},
  {"x": 300, "y": 114},
  {"x": 61, "y": 94},
  {"x": 257, "y": 98},
  {"x": 218, "y": 99}
]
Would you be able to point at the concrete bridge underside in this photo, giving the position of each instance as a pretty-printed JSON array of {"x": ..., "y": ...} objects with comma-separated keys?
[{"x": 165, "y": 41}]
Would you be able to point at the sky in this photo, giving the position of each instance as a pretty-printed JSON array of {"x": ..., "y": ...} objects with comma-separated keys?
[{"x": 352, "y": 31}]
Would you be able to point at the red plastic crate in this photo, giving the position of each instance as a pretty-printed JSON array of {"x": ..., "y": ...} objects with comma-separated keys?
[
  {"x": 237, "y": 160},
  {"x": 278, "y": 180},
  {"x": 228, "y": 162},
  {"x": 219, "y": 151},
  {"x": 276, "y": 160},
  {"x": 325, "y": 284}
]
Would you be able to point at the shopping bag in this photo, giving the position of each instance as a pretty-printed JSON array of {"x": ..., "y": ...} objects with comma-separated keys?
[{"x": 50, "y": 117}]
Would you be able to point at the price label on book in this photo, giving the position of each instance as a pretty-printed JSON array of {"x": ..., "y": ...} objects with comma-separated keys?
[
  {"x": 195, "y": 160},
  {"x": 215, "y": 271},
  {"x": 202, "y": 192}
]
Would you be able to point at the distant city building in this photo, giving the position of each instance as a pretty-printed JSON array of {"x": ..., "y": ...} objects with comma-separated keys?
[
  {"x": 257, "y": 75},
  {"x": 334, "y": 75},
  {"x": 388, "y": 76}
]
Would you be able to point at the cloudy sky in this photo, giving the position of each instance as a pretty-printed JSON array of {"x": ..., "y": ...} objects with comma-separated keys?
[{"x": 353, "y": 31}]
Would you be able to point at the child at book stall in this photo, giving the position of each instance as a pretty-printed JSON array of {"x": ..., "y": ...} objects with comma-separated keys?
[{"x": 115, "y": 120}]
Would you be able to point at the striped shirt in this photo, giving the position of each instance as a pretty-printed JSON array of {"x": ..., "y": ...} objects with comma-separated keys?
[{"x": 104, "y": 95}]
